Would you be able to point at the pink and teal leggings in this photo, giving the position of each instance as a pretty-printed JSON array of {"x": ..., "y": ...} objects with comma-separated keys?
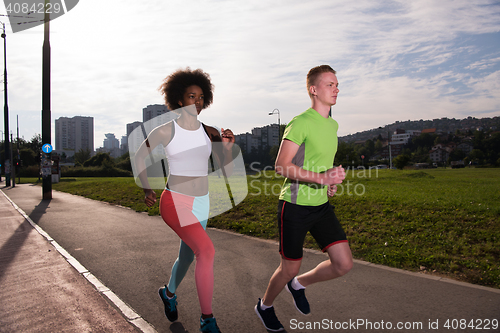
[{"x": 187, "y": 216}]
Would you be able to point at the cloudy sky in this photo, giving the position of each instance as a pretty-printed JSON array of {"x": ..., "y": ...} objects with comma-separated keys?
[{"x": 395, "y": 60}]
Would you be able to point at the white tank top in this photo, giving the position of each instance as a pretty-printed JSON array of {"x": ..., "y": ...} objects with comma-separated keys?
[{"x": 188, "y": 152}]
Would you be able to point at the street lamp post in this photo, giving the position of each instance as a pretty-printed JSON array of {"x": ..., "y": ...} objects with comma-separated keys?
[
  {"x": 46, "y": 117},
  {"x": 279, "y": 124},
  {"x": 6, "y": 111},
  {"x": 1, "y": 161},
  {"x": 12, "y": 170}
]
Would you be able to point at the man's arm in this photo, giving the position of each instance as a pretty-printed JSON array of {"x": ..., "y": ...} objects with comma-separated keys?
[{"x": 286, "y": 168}]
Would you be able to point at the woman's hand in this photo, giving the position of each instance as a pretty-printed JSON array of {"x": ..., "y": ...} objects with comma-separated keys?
[
  {"x": 150, "y": 197},
  {"x": 227, "y": 138}
]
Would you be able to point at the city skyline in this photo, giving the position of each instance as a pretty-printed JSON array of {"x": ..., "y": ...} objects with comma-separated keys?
[{"x": 395, "y": 61}]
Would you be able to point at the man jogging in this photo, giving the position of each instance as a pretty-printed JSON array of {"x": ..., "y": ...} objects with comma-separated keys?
[{"x": 306, "y": 159}]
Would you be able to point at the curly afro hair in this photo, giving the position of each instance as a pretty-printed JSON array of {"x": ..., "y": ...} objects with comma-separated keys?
[{"x": 174, "y": 86}]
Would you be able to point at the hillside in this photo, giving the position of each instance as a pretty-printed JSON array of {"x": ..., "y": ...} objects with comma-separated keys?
[{"x": 443, "y": 124}]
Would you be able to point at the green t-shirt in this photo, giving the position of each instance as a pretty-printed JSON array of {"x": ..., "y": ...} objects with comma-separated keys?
[{"x": 317, "y": 140}]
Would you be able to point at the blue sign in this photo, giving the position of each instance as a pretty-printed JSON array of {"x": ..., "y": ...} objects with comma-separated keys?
[{"x": 47, "y": 148}]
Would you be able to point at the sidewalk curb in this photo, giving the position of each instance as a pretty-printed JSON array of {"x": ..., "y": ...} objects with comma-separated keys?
[{"x": 130, "y": 315}]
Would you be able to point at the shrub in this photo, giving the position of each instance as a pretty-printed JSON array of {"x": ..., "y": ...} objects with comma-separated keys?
[
  {"x": 125, "y": 164},
  {"x": 98, "y": 160},
  {"x": 401, "y": 161},
  {"x": 30, "y": 171},
  {"x": 102, "y": 171}
]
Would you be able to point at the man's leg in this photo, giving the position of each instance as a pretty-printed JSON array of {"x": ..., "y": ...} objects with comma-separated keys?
[
  {"x": 339, "y": 264},
  {"x": 286, "y": 271},
  {"x": 264, "y": 308},
  {"x": 292, "y": 234}
]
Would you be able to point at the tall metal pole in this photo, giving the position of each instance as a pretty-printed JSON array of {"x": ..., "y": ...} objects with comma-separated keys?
[
  {"x": 279, "y": 125},
  {"x": 46, "y": 130},
  {"x": 1, "y": 162},
  {"x": 8, "y": 163},
  {"x": 389, "y": 145},
  {"x": 18, "y": 161},
  {"x": 12, "y": 170}
]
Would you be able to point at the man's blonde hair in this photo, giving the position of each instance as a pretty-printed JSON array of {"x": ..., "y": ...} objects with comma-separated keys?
[{"x": 314, "y": 73}]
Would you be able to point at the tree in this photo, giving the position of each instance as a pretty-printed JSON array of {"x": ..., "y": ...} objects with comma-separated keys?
[
  {"x": 35, "y": 143},
  {"x": 476, "y": 155},
  {"x": 273, "y": 153},
  {"x": 28, "y": 157},
  {"x": 282, "y": 131},
  {"x": 81, "y": 156},
  {"x": 99, "y": 159},
  {"x": 370, "y": 146},
  {"x": 491, "y": 147},
  {"x": 401, "y": 161},
  {"x": 345, "y": 154},
  {"x": 123, "y": 162},
  {"x": 421, "y": 155},
  {"x": 478, "y": 139},
  {"x": 456, "y": 155},
  {"x": 425, "y": 140}
]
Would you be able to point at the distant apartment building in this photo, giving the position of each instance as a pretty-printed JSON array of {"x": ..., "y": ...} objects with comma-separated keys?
[
  {"x": 246, "y": 142},
  {"x": 399, "y": 139},
  {"x": 124, "y": 144},
  {"x": 395, "y": 150},
  {"x": 151, "y": 118},
  {"x": 465, "y": 147},
  {"x": 133, "y": 126},
  {"x": 269, "y": 135},
  {"x": 135, "y": 141},
  {"x": 110, "y": 145},
  {"x": 441, "y": 152},
  {"x": 73, "y": 134},
  {"x": 439, "y": 155},
  {"x": 403, "y": 137},
  {"x": 152, "y": 113},
  {"x": 111, "y": 142},
  {"x": 259, "y": 138}
]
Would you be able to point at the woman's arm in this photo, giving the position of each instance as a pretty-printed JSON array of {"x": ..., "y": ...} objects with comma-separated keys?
[
  {"x": 160, "y": 135},
  {"x": 223, "y": 153}
]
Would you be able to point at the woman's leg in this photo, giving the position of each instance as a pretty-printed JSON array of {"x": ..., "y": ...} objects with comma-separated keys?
[
  {"x": 181, "y": 265},
  {"x": 197, "y": 239},
  {"x": 178, "y": 212}
]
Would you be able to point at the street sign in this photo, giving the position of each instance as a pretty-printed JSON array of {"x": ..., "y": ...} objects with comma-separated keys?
[{"x": 47, "y": 148}]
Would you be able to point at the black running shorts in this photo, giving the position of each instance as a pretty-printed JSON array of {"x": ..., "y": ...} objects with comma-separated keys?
[{"x": 294, "y": 221}]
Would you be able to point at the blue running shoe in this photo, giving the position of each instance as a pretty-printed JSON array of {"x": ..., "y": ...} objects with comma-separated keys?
[
  {"x": 299, "y": 299},
  {"x": 268, "y": 318},
  {"x": 170, "y": 304},
  {"x": 209, "y": 325}
]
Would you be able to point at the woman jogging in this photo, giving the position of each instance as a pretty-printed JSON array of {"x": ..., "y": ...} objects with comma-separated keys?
[{"x": 184, "y": 204}]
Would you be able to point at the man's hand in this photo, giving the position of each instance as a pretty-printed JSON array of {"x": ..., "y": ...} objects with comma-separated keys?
[
  {"x": 150, "y": 197},
  {"x": 334, "y": 176},
  {"x": 332, "y": 189}
]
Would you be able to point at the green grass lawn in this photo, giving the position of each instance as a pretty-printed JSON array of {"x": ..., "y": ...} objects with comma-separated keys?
[{"x": 439, "y": 221}]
